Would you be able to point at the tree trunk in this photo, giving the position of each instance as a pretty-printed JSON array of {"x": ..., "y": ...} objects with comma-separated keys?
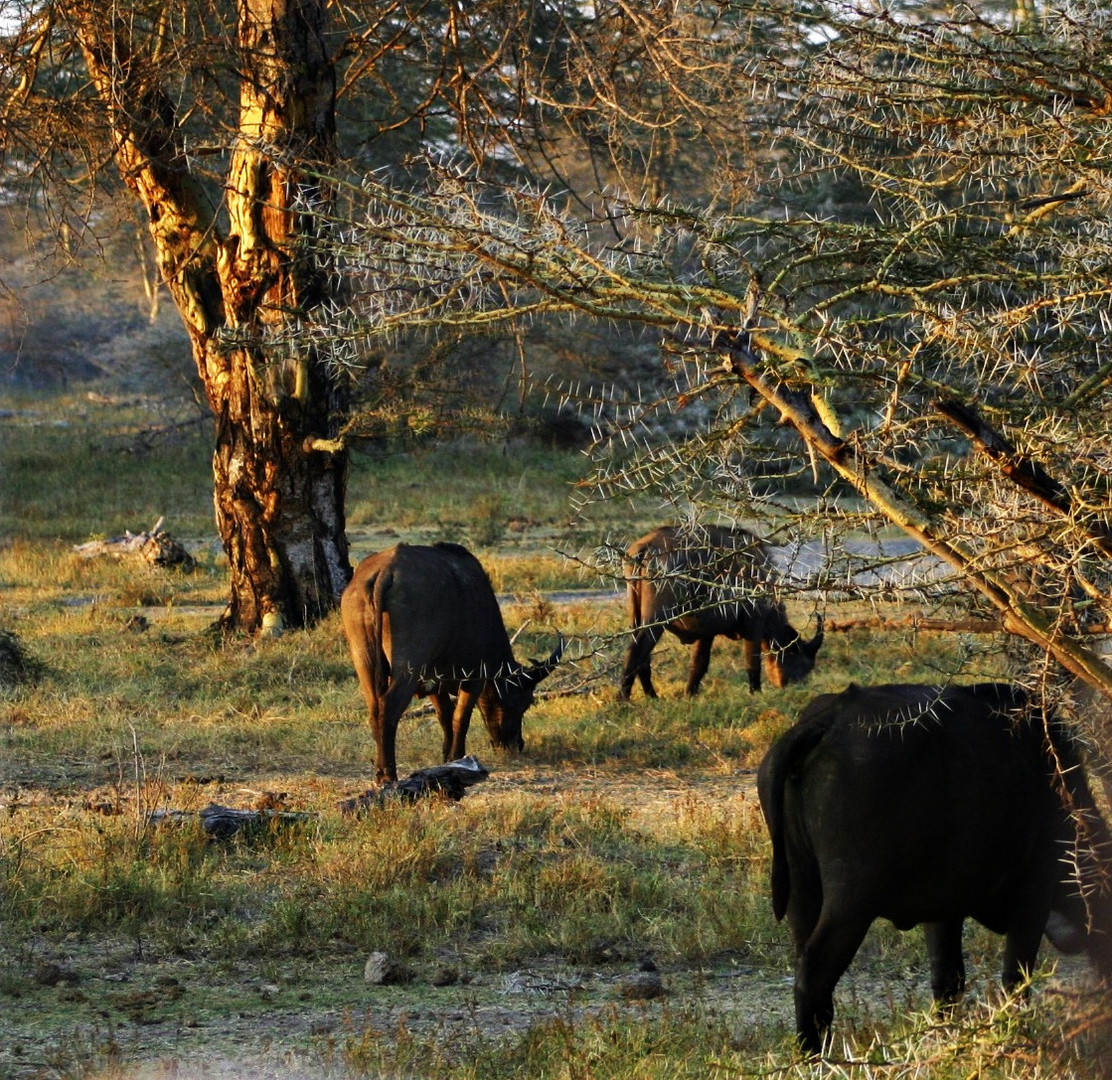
[
  {"x": 279, "y": 498},
  {"x": 279, "y": 472},
  {"x": 279, "y": 476}
]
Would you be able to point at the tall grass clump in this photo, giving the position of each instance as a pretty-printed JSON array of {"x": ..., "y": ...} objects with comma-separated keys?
[
  {"x": 1004, "y": 1041},
  {"x": 84, "y": 873},
  {"x": 504, "y": 881}
]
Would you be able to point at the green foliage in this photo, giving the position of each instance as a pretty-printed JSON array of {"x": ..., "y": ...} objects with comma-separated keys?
[
  {"x": 483, "y": 494},
  {"x": 72, "y": 472}
]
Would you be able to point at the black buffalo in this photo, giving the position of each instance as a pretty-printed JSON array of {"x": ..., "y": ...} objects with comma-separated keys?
[
  {"x": 930, "y": 805},
  {"x": 701, "y": 584},
  {"x": 425, "y": 620}
]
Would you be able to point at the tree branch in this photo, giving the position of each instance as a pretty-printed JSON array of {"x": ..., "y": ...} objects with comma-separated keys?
[
  {"x": 866, "y": 476},
  {"x": 1020, "y": 469}
]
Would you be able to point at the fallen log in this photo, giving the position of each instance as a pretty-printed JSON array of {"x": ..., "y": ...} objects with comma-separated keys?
[
  {"x": 220, "y": 822},
  {"x": 449, "y": 781},
  {"x": 155, "y": 547}
]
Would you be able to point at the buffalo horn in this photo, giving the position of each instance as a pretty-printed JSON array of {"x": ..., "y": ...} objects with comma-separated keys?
[{"x": 538, "y": 670}]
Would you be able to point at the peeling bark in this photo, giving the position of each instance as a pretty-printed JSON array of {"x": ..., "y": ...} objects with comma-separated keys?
[{"x": 278, "y": 496}]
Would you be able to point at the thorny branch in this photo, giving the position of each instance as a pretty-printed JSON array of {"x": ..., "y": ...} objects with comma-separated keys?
[{"x": 464, "y": 254}]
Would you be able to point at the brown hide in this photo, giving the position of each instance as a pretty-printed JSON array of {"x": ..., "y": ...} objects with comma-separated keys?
[
  {"x": 425, "y": 621},
  {"x": 705, "y": 582}
]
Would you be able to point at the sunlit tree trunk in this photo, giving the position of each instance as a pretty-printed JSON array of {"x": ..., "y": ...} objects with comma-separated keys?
[{"x": 279, "y": 473}]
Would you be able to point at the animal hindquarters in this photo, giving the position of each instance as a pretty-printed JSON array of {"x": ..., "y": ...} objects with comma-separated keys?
[{"x": 387, "y": 692}]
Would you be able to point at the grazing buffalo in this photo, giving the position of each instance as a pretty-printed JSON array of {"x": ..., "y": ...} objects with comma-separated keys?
[
  {"x": 703, "y": 583},
  {"x": 922, "y": 804},
  {"x": 425, "y": 620}
]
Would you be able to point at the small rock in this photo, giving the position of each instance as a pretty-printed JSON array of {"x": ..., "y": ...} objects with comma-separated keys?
[
  {"x": 53, "y": 974},
  {"x": 444, "y": 976},
  {"x": 603, "y": 951},
  {"x": 382, "y": 970},
  {"x": 643, "y": 986}
]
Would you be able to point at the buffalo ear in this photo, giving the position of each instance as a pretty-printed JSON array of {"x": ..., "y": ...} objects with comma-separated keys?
[{"x": 538, "y": 669}]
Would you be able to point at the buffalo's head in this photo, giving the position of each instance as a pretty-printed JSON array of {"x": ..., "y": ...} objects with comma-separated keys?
[
  {"x": 793, "y": 660},
  {"x": 507, "y": 697},
  {"x": 1081, "y": 917},
  {"x": 1087, "y": 928}
]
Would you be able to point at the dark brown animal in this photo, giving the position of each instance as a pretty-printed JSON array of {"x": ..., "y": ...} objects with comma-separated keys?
[
  {"x": 425, "y": 620},
  {"x": 703, "y": 583},
  {"x": 922, "y": 804}
]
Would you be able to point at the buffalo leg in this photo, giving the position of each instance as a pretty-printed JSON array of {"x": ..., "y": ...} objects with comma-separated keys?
[
  {"x": 638, "y": 663},
  {"x": 946, "y": 959},
  {"x": 818, "y": 967},
  {"x": 700, "y": 661},
  {"x": 376, "y": 713},
  {"x": 385, "y": 722},
  {"x": 456, "y": 747},
  {"x": 444, "y": 706},
  {"x": 753, "y": 663},
  {"x": 1021, "y": 946}
]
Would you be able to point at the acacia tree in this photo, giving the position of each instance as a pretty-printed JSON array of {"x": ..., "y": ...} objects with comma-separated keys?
[
  {"x": 914, "y": 280},
  {"x": 159, "y": 90},
  {"x": 220, "y": 117},
  {"x": 968, "y": 312}
]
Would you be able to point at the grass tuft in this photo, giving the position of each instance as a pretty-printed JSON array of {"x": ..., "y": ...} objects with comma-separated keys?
[{"x": 17, "y": 666}]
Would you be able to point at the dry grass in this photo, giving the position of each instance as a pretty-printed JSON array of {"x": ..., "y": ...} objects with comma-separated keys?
[{"x": 626, "y": 832}]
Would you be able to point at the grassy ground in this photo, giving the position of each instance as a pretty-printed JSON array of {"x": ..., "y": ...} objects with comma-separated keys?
[{"x": 627, "y": 836}]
